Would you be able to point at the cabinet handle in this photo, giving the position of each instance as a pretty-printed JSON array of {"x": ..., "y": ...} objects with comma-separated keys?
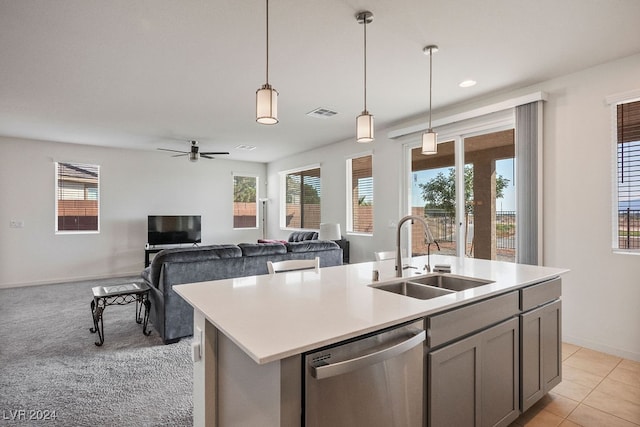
[{"x": 331, "y": 370}]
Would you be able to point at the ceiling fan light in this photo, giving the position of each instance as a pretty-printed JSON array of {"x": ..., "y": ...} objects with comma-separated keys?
[
  {"x": 193, "y": 157},
  {"x": 267, "y": 105},
  {"x": 430, "y": 142},
  {"x": 364, "y": 127}
]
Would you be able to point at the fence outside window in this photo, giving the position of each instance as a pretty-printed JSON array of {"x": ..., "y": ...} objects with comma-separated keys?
[{"x": 629, "y": 229}]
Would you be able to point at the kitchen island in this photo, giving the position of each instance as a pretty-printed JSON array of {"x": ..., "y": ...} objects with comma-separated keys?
[{"x": 250, "y": 332}]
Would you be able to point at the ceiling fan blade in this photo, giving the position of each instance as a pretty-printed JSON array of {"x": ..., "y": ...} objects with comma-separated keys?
[
  {"x": 180, "y": 155},
  {"x": 206, "y": 156},
  {"x": 213, "y": 153},
  {"x": 174, "y": 151}
]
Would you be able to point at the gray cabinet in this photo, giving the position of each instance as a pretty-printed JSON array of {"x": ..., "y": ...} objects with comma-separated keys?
[
  {"x": 474, "y": 381},
  {"x": 541, "y": 352},
  {"x": 500, "y": 374},
  {"x": 540, "y": 340},
  {"x": 453, "y": 392}
]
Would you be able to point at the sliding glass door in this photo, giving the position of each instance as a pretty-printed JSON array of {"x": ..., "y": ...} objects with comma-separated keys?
[
  {"x": 433, "y": 196},
  {"x": 466, "y": 191},
  {"x": 489, "y": 201}
]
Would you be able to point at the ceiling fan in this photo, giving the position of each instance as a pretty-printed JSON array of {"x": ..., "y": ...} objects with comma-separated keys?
[{"x": 194, "y": 154}]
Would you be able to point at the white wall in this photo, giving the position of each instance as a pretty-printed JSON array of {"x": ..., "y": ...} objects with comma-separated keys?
[
  {"x": 602, "y": 292},
  {"x": 133, "y": 184},
  {"x": 332, "y": 159}
]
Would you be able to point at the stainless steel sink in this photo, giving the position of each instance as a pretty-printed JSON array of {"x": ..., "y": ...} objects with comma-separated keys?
[
  {"x": 411, "y": 289},
  {"x": 447, "y": 281}
]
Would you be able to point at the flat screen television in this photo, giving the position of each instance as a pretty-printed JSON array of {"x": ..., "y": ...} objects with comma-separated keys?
[{"x": 173, "y": 229}]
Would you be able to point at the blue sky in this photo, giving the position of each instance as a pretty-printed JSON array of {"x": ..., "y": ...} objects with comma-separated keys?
[{"x": 503, "y": 167}]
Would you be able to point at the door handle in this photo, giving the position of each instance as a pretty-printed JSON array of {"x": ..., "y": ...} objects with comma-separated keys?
[{"x": 333, "y": 369}]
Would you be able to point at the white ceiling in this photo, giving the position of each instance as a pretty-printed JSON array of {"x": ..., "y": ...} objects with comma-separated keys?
[{"x": 155, "y": 73}]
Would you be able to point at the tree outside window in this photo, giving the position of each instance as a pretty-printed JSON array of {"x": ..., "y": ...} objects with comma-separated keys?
[
  {"x": 302, "y": 199},
  {"x": 245, "y": 210}
]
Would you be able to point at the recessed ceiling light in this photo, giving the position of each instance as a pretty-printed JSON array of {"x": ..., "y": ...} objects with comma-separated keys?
[
  {"x": 245, "y": 147},
  {"x": 467, "y": 83}
]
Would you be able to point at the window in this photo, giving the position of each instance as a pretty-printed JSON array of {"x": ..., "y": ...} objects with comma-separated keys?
[
  {"x": 245, "y": 193},
  {"x": 302, "y": 193},
  {"x": 77, "y": 197},
  {"x": 360, "y": 194},
  {"x": 467, "y": 190},
  {"x": 628, "y": 176}
]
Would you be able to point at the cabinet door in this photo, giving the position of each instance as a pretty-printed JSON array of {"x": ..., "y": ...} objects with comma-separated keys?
[
  {"x": 541, "y": 366},
  {"x": 453, "y": 388},
  {"x": 499, "y": 353},
  {"x": 551, "y": 345},
  {"x": 474, "y": 382}
]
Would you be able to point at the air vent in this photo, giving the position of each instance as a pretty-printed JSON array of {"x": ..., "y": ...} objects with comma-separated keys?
[
  {"x": 322, "y": 113},
  {"x": 245, "y": 147}
]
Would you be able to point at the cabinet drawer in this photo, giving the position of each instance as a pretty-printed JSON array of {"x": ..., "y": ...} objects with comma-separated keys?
[
  {"x": 542, "y": 293},
  {"x": 453, "y": 324}
]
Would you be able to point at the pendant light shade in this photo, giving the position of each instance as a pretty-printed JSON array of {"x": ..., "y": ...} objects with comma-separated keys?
[
  {"x": 267, "y": 96},
  {"x": 267, "y": 105},
  {"x": 430, "y": 142},
  {"x": 364, "y": 127},
  {"x": 430, "y": 138},
  {"x": 364, "y": 122}
]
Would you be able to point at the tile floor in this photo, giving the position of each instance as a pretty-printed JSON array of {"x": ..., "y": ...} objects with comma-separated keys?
[{"x": 597, "y": 389}]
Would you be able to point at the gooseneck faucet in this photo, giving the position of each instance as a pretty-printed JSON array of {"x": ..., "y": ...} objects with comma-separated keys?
[{"x": 427, "y": 234}]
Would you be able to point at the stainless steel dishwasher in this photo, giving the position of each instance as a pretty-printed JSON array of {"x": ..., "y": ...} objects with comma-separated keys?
[{"x": 375, "y": 380}]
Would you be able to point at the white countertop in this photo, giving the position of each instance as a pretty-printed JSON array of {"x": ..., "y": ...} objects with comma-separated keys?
[{"x": 272, "y": 317}]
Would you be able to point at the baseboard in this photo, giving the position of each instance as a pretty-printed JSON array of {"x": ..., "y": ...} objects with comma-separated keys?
[
  {"x": 601, "y": 347},
  {"x": 67, "y": 280}
]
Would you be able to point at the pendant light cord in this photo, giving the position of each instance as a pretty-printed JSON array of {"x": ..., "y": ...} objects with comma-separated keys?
[
  {"x": 430, "y": 83},
  {"x": 365, "y": 63},
  {"x": 267, "y": 38}
]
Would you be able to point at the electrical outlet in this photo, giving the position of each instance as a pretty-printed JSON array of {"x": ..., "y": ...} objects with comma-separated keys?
[{"x": 16, "y": 223}]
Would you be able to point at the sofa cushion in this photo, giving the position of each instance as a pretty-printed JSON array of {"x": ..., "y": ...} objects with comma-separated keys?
[
  {"x": 311, "y": 246},
  {"x": 299, "y": 236},
  {"x": 257, "y": 249},
  {"x": 193, "y": 254}
]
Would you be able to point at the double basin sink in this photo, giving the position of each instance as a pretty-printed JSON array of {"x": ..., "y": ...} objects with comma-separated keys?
[{"x": 430, "y": 285}]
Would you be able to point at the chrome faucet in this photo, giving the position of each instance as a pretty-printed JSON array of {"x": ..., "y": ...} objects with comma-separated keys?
[{"x": 428, "y": 237}]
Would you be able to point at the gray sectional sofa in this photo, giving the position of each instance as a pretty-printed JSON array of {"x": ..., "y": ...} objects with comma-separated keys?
[{"x": 172, "y": 317}]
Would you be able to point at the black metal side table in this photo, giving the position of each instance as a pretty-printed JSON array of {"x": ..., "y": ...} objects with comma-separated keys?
[{"x": 104, "y": 296}]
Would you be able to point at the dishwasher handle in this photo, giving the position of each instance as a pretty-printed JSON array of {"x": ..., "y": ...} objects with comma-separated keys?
[{"x": 339, "y": 368}]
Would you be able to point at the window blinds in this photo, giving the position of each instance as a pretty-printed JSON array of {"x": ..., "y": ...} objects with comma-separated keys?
[
  {"x": 303, "y": 195},
  {"x": 628, "y": 174},
  {"x": 77, "y": 197},
  {"x": 362, "y": 194}
]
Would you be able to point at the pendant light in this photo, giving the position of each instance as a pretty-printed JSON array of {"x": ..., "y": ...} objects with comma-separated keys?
[
  {"x": 430, "y": 138},
  {"x": 364, "y": 122},
  {"x": 267, "y": 96}
]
